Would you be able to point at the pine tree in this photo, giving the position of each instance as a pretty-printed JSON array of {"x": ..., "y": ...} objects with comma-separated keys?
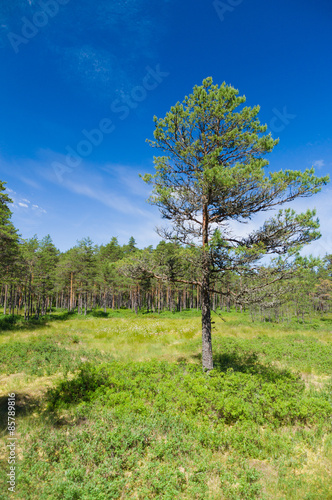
[
  {"x": 9, "y": 245},
  {"x": 47, "y": 257},
  {"x": 213, "y": 172},
  {"x": 29, "y": 249},
  {"x": 86, "y": 255},
  {"x": 8, "y": 233}
]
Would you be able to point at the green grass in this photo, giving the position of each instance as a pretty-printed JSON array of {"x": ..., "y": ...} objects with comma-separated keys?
[
  {"x": 116, "y": 406},
  {"x": 46, "y": 356}
]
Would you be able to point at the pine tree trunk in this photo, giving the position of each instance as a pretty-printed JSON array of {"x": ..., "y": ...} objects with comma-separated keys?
[
  {"x": 29, "y": 297},
  {"x": 11, "y": 299},
  {"x": 228, "y": 299},
  {"x": 5, "y": 300},
  {"x": 14, "y": 299},
  {"x": 207, "y": 359},
  {"x": 25, "y": 301},
  {"x": 159, "y": 297},
  {"x": 71, "y": 293}
]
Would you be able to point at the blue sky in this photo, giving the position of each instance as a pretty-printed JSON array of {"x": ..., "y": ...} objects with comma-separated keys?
[{"x": 81, "y": 82}]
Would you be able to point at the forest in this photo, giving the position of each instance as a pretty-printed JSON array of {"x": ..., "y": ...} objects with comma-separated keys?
[{"x": 40, "y": 279}]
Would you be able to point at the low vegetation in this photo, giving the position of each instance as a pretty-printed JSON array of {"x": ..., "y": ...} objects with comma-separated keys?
[{"x": 114, "y": 405}]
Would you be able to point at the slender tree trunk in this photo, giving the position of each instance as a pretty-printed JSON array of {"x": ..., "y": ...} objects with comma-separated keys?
[
  {"x": 16, "y": 300},
  {"x": 207, "y": 359},
  {"x": 159, "y": 297},
  {"x": 29, "y": 297},
  {"x": 13, "y": 299},
  {"x": 25, "y": 301},
  {"x": 71, "y": 292},
  {"x": 5, "y": 301}
]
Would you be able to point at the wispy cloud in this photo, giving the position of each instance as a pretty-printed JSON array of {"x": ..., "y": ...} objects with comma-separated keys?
[
  {"x": 322, "y": 202},
  {"x": 108, "y": 198},
  {"x": 129, "y": 178},
  {"x": 93, "y": 67},
  {"x": 29, "y": 182},
  {"x": 22, "y": 204},
  {"x": 85, "y": 54},
  {"x": 319, "y": 164},
  {"x": 89, "y": 181},
  {"x": 39, "y": 209}
]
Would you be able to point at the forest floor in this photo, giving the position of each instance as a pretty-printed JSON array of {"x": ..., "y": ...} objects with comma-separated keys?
[{"x": 116, "y": 405}]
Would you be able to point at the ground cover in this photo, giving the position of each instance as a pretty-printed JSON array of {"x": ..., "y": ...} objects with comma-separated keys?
[{"x": 116, "y": 406}]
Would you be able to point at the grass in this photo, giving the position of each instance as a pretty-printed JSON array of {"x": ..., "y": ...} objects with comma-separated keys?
[{"x": 116, "y": 406}]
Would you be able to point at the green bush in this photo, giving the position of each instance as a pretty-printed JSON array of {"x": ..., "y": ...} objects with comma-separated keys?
[
  {"x": 262, "y": 394},
  {"x": 296, "y": 351}
]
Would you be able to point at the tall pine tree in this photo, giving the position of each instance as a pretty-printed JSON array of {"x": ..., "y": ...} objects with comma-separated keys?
[{"x": 212, "y": 173}]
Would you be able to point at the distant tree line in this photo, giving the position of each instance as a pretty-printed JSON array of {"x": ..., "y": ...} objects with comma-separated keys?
[{"x": 36, "y": 278}]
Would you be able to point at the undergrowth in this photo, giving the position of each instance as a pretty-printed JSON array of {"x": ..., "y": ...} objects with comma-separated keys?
[
  {"x": 130, "y": 414},
  {"x": 45, "y": 356}
]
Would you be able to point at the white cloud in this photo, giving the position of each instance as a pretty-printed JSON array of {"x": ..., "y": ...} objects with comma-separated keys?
[
  {"x": 319, "y": 164},
  {"x": 93, "y": 67},
  {"x": 322, "y": 202},
  {"x": 93, "y": 185},
  {"x": 29, "y": 182},
  {"x": 19, "y": 202},
  {"x": 130, "y": 179},
  {"x": 39, "y": 209},
  {"x": 108, "y": 198}
]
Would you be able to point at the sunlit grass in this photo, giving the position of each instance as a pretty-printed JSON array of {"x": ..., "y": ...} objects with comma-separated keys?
[
  {"x": 172, "y": 337},
  {"x": 168, "y": 455}
]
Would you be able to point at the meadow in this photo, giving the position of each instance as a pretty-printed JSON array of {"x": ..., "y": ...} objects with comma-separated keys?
[{"x": 116, "y": 406}]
